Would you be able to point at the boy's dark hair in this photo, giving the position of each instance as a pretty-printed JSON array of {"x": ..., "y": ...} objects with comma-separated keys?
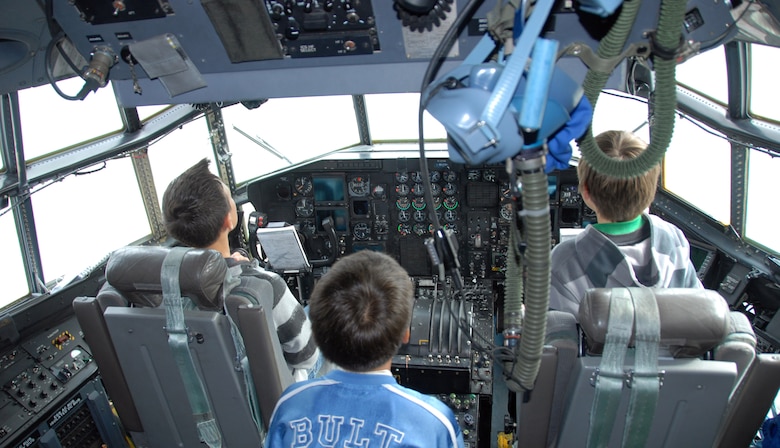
[
  {"x": 194, "y": 206},
  {"x": 619, "y": 199},
  {"x": 360, "y": 310}
]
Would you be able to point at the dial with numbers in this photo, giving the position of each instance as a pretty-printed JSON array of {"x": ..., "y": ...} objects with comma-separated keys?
[
  {"x": 303, "y": 185},
  {"x": 361, "y": 231},
  {"x": 304, "y": 207},
  {"x": 358, "y": 187}
]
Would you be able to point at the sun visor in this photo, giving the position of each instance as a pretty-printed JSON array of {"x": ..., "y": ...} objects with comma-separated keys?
[
  {"x": 162, "y": 57},
  {"x": 245, "y": 29}
]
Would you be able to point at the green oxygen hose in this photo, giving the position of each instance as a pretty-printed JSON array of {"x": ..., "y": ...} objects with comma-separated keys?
[
  {"x": 667, "y": 37},
  {"x": 536, "y": 209},
  {"x": 530, "y": 319}
]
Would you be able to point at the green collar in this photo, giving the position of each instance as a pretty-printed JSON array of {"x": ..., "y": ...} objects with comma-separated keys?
[{"x": 620, "y": 228}]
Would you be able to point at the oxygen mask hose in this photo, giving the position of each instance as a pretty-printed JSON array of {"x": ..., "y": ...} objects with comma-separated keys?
[
  {"x": 666, "y": 39},
  {"x": 536, "y": 219},
  {"x": 530, "y": 164}
]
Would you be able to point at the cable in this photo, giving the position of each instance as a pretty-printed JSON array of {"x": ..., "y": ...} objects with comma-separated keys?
[
  {"x": 50, "y": 76},
  {"x": 437, "y": 59}
]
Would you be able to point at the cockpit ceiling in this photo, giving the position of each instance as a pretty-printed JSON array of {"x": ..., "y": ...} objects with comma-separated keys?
[{"x": 372, "y": 51}]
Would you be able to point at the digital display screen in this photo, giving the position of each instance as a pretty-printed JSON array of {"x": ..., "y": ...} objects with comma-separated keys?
[
  {"x": 338, "y": 215},
  {"x": 698, "y": 255},
  {"x": 328, "y": 188},
  {"x": 702, "y": 257}
]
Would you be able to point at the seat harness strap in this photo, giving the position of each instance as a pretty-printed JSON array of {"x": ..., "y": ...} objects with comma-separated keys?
[
  {"x": 644, "y": 380},
  {"x": 178, "y": 340},
  {"x": 609, "y": 379}
]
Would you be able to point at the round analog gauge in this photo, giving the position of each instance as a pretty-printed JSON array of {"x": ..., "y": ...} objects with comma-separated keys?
[
  {"x": 437, "y": 201},
  {"x": 402, "y": 177},
  {"x": 506, "y": 190},
  {"x": 450, "y": 203},
  {"x": 506, "y": 211},
  {"x": 378, "y": 192},
  {"x": 435, "y": 189},
  {"x": 361, "y": 231},
  {"x": 307, "y": 227},
  {"x": 359, "y": 187},
  {"x": 421, "y": 229},
  {"x": 449, "y": 176},
  {"x": 402, "y": 189},
  {"x": 450, "y": 216},
  {"x": 303, "y": 185},
  {"x": 435, "y": 176},
  {"x": 404, "y": 229},
  {"x": 418, "y": 203},
  {"x": 404, "y": 216},
  {"x": 450, "y": 189},
  {"x": 451, "y": 226},
  {"x": 304, "y": 207},
  {"x": 403, "y": 203},
  {"x": 418, "y": 189},
  {"x": 474, "y": 175},
  {"x": 489, "y": 175},
  {"x": 417, "y": 177},
  {"x": 420, "y": 216}
]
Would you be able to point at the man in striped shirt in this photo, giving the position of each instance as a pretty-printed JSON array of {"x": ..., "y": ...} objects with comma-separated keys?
[
  {"x": 627, "y": 247},
  {"x": 361, "y": 311},
  {"x": 200, "y": 212}
]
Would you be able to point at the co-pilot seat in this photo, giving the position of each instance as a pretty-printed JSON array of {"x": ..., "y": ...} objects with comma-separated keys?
[
  {"x": 125, "y": 325},
  {"x": 659, "y": 392}
]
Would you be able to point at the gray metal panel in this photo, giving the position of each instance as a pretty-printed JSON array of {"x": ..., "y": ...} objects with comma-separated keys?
[
  {"x": 156, "y": 384},
  {"x": 89, "y": 313},
  {"x": 266, "y": 361},
  {"x": 750, "y": 402},
  {"x": 692, "y": 402}
]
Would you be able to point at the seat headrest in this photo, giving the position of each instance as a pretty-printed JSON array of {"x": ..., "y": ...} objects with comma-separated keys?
[
  {"x": 135, "y": 273},
  {"x": 693, "y": 321}
]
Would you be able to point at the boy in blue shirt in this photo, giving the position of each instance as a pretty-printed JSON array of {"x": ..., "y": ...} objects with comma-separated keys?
[{"x": 360, "y": 312}]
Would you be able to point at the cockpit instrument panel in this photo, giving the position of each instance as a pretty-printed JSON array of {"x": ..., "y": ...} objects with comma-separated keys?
[{"x": 380, "y": 204}]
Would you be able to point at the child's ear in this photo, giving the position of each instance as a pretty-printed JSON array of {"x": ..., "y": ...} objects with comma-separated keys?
[{"x": 407, "y": 335}]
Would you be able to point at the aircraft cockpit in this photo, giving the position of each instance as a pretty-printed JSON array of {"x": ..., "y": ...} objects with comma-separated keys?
[{"x": 444, "y": 133}]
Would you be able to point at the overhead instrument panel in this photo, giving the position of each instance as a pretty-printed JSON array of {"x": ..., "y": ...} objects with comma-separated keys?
[
  {"x": 185, "y": 52},
  {"x": 324, "y": 28}
]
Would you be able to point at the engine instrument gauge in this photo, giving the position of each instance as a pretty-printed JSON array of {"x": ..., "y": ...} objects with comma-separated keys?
[
  {"x": 303, "y": 185},
  {"x": 359, "y": 187}
]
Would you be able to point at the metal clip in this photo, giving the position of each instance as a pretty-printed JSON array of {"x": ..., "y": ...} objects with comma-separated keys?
[{"x": 631, "y": 374}]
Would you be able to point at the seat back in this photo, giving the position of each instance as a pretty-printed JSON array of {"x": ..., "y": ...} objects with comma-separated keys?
[
  {"x": 125, "y": 326},
  {"x": 758, "y": 380},
  {"x": 540, "y": 412},
  {"x": 692, "y": 393}
]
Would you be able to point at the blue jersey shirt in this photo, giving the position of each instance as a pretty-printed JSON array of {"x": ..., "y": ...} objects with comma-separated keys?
[{"x": 366, "y": 410}]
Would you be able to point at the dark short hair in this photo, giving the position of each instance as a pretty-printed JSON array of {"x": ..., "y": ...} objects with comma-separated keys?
[
  {"x": 619, "y": 199},
  {"x": 194, "y": 206},
  {"x": 360, "y": 310}
]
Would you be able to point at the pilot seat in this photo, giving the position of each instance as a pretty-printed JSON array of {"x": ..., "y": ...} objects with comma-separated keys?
[
  {"x": 208, "y": 370},
  {"x": 652, "y": 368}
]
